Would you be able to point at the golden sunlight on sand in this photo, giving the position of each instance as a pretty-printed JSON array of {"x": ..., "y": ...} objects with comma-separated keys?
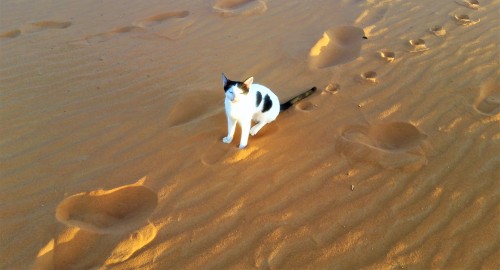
[{"x": 112, "y": 116}]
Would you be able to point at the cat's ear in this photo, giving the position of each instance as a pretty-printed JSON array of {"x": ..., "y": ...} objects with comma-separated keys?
[
  {"x": 224, "y": 80},
  {"x": 248, "y": 82}
]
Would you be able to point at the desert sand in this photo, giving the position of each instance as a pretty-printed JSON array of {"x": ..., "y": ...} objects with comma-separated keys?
[{"x": 112, "y": 117}]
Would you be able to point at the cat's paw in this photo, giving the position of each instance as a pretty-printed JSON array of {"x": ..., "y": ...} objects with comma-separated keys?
[
  {"x": 227, "y": 140},
  {"x": 254, "y": 130},
  {"x": 242, "y": 146}
]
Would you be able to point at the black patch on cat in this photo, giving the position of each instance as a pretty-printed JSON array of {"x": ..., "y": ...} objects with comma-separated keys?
[
  {"x": 240, "y": 85},
  {"x": 267, "y": 104},
  {"x": 243, "y": 87},
  {"x": 228, "y": 85},
  {"x": 259, "y": 99}
]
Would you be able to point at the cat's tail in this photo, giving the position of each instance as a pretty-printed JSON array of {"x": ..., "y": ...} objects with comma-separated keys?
[{"x": 296, "y": 99}]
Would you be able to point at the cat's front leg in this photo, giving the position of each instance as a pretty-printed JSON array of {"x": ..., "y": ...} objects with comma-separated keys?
[
  {"x": 245, "y": 131},
  {"x": 231, "y": 127}
]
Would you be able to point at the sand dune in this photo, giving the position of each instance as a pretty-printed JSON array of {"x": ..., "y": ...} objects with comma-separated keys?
[{"x": 112, "y": 118}]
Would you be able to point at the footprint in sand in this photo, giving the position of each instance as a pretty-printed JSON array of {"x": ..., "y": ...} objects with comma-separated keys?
[
  {"x": 192, "y": 106},
  {"x": 465, "y": 20},
  {"x": 488, "y": 102},
  {"x": 472, "y": 4},
  {"x": 337, "y": 46},
  {"x": 169, "y": 25},
  {"x": 79, "y": 249},
  {"x": 44, "y": 25},
  {"x": 160, "y": 18},
  {"x": 228, "y": 8},
  {"x": 489, "y": 105},
  {"x": 391, "y": 145},
  {"x": 369, "y": 77},
  {"x": 35, "y": 27},
  {"x": 438, "y": 30},
  {"x": 418, "y": 45},
  {"x": 331, "y": 88},
  {"x": 108, "y": 211},
  {"x": 387, "y": 56},
  {"x": 111, "y": 34},
  {"x": 11, "y": 34},
  {"x": 305, "y": 106},
  {"x": 215, "y": 154}
]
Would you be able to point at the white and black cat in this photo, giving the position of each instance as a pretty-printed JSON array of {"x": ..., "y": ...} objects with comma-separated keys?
[{"x": 246, "y": 101}]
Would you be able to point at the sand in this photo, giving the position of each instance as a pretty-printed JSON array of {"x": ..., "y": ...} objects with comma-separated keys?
[{"x": 112, "y": 117}]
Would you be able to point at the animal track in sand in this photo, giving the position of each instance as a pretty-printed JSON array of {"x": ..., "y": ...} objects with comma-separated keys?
[
  {"x": 332, "y": 88},
  {"x": 388, "y": 56},
  {"x": 489, "y": 105},
  {"x": 369, "y": 77},
  {"x": 390, "y": 145},
  {"x": 418, "y": 45},
  {"x": 465, "y": 20},
  {"x": 108, "y": 211},
  {"x": 239, "y": 7},
  {"x": 438, "y": 30},
  {"x": 488, "y": 102},
  {"x": 472, "y": 4},
  {"x": 305, "y": 106},
  {"x": 338, "y": 45}
]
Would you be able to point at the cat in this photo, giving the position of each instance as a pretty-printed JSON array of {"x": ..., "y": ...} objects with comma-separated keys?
[{"x": 247, "y": 101}]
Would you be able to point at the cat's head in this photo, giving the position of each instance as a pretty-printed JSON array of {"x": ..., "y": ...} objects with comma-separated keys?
[{"x": 234, "y": 89}]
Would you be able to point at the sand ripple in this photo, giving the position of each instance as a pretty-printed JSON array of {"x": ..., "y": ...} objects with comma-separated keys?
[{"x": 401, "y": 173}]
